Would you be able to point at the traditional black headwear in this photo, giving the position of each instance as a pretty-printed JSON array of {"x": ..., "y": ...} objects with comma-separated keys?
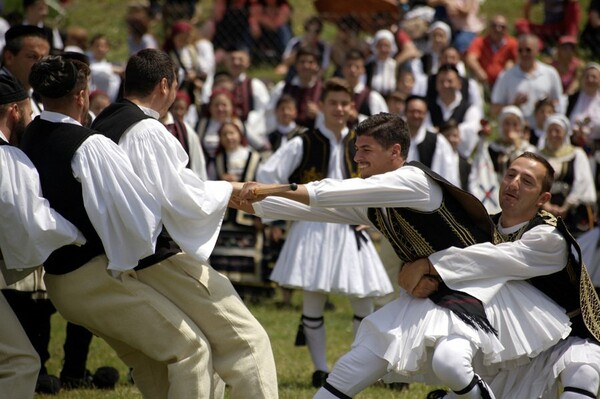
[
  {"x": 10, "y": 90},
  {"x": 18, "y": 31},
  {"x": 53, "y": 76}
]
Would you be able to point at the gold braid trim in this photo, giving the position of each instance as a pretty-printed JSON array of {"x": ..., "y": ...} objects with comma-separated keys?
[{"x": 589, "y": 302}]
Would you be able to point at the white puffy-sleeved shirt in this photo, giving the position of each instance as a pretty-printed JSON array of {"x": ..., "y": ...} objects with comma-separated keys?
[
  {"x": 192, "y": 210},
  {"x": 30, "y": 230},
  {"x": 121, "y": 210},
  {"x": 444, "y": 161}
]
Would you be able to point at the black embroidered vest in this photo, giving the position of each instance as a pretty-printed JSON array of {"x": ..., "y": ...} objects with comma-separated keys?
[
  {"x": 275, "y": 137},
  {"x": 571, "y": 287},
  {"x": 303, "y": 95},
  {"x": 315, "y": 157},
  {"x": 113, "y": 122},
  {"x": 460, "y": 221},
  {"x": 51, "y": 147}
]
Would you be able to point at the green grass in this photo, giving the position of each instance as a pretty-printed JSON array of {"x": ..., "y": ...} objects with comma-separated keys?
[{"x": 294, "y": 367}]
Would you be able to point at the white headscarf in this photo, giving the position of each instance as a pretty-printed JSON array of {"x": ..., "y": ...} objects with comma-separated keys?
[
  {"x": 511, "y": 110},
  {"x": 384, "y": 34},
  {"x": 560, "y": 120},
  {"x": 443, "y": 26}
]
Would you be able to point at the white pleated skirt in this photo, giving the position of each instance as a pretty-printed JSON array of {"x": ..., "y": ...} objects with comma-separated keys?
[
  {"x": 325, "y": 257},
  {"x": 405, "y": 331}
]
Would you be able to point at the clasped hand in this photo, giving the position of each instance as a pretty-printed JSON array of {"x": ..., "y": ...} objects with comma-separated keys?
[{"x": 417, "y": 278}]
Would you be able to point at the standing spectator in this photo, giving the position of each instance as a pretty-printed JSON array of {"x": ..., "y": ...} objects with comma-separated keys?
[
  {"x": 567, "y": 64},
  {"x": 35, "y": 12},
  {"x": 311, "y": 39},
  {"x": 573, "y": 192},
  {"x": 489, "y": 55},
  {"x": 250, "y": 97},
  {"x": 527, "y": 82},
  {"x": 271, "y": 28},
  {"x": 590, "y": 37},
  {"x": 561, "y": 18},
  {"x": 305, "y": 87},
  {"x": 381, "y": 67},
  {"x": 583, "y": 109},
  {"x": 367, "y": 102},
  {"x": 319, "y": 257}
]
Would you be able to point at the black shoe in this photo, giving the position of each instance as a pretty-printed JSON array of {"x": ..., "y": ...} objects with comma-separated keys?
[
  {"x": 397, "y": 386},
  {"x": 318, "y": 378},
  {"x": 84, "y": 382},
  {"x": 47, "y": 384},
  {"x": 437, "y": 394},
  {"x": 105, "y": 377},
  {"x": 329, "y": 306}
]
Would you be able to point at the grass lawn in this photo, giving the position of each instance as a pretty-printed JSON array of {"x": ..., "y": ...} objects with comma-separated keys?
[{"x": 294, "y": 367}]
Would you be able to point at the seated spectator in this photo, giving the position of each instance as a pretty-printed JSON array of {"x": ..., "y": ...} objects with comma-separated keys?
[
  {"x": 561, "y": 18},
  {"x": 527, "y": 82},
  {"x": 138, "y": 34},
  {"x": 536, "y": 125},
  {"x": 381, "y": 67},
  {"x": 104, "y": 75},
  {"x": 346, "y": 39},
  {"x": 396, "y": 102},
  {"x": 35, "y": 13},
  {"x": 220, "y": 109},
  {"x": 311, "y": 39},
  {"x": 98, "y": 101},
  {"x": 76, "y": 39},
  {"x": 590, "y": 36},
  {"x": 285, "y": 113},
  {"x": 463, "y": 16},
  {"x": 567, "y": 64},
  {"x": 451, "y": 132},
  {"x": 405, "y": 81},
  {"x": 583, "y": 109},
  {"x": 448, "y": 103},
  {"x": 367, "y": 102},
  {"x": 510, "y": 142},
  {"x": 305, "y": 88},
  {"x": 185, "y": 134},
  {"x": 440, "y": 35},
  {"x": 573, "y": 191},
  {"x": 270, "y": 28},
  {"x": 250, "y": 97},
  {"x": 490, "y": 54},
  {"x": 231, "y": 28}
]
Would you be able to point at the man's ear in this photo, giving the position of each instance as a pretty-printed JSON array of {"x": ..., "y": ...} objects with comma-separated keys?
[
  {"x": 164, "y": 85},
  {"x": 544, "y": 197},
  {"x": 396, "y": 150}
]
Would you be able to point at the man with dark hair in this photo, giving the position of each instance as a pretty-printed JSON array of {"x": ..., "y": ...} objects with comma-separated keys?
[
  {"x": 89, "y": 180},
  {"x": 29, "y": 232},
  {"x": 35, "y": 12},
  {"x": 445, "y": 316},
  {"x": 320, "y": 258},
  {"x": 367, "y": 102},
  {"x": 427, "y": 147},
  {"x": 305, "y": 87},
  {"x": 25, "y": 45},
  {"x": 191, "y": 212}
]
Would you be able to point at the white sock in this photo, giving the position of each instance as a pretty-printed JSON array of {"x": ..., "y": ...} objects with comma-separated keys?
[{"x": 313, "y": 307}]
